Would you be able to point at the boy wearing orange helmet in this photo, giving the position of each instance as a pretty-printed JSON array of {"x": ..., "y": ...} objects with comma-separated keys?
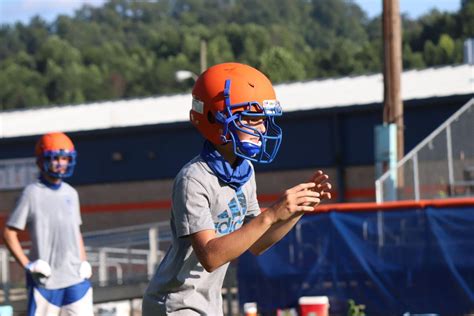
[
  {"x": 57, "y": 270},
  {"x": 215, "y": 213}
]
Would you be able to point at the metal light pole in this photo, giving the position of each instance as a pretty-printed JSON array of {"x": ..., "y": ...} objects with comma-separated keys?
[
  {"x": 203, "y": 55},
  {"x": 182, "y": 75}
]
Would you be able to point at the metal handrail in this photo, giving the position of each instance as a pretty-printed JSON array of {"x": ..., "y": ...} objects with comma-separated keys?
[
  {"x": 425, "y": 141},
  {"x": 413, "y": 154},
  {"x": 139, "y": 250}
]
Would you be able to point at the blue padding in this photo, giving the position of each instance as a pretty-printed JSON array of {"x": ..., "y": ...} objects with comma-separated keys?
[
  {"x": 425, "y": 264},
  {"x": 54, "y": 297},
  {"x": 64, "y": 296},
  {"x": 76, "y": 292}
]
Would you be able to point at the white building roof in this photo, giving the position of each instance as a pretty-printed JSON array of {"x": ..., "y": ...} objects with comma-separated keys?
[{"x": 298, "y": 96}]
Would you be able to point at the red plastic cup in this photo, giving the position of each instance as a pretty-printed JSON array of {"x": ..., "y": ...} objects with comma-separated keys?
[{"x": 314, "y": 305}]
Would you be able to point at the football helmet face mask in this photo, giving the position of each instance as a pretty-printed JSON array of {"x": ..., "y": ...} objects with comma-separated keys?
[
  {"x": 49, "y": 148},
  {"x": 226, "y": 98}
]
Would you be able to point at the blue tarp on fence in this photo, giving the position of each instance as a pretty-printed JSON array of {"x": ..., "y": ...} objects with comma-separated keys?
[{"x": 422, "y": 262}]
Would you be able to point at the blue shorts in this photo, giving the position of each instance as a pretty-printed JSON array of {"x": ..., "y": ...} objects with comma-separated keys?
[{"x": 73, "y": 300}]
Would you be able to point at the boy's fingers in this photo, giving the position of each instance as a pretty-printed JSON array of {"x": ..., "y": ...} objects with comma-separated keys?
[
  {"x": 325, "y": 186},
  {"x": 326, "y": 195},
  {"x": 321, "y": 179},
  {"x": 305, "y": 208},
  {"x": 309, "y": 193},
  {"x": 302, "y": 187},
  {"x": 308, "y": 200},
  {"x": 307, "y": 185}
]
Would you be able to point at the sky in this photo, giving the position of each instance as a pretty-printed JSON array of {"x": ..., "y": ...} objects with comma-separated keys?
[{"x": 12, "y": 11}]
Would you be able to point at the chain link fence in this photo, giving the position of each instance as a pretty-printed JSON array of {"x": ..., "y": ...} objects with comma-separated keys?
[{"x": 441, "y": 166}]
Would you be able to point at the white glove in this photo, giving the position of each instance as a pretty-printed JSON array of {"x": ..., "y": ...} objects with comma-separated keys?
[
  {"x": 39, "y": 267},
  {"x": 85, "y": 270}
]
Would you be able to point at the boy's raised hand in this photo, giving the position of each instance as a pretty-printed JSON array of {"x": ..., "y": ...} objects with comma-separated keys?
[
  {"x": 322, "y": 186},
  {"x": 294, "y": 201},
  {"x": 301, "y": 198}
]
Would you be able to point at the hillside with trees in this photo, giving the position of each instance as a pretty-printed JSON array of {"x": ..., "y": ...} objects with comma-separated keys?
[{"x": 128, "y": 49}]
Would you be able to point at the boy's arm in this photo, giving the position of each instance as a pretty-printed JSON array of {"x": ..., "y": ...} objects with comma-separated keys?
[
  {"x": 274, "y": 234},
  {"x": 281, "y": 228},
  {"x": 85, "y": 269},
  {"x": 10, "y": 236},
  {"x": 82, "y": 248},
  {"x": 213, "y": 251}
]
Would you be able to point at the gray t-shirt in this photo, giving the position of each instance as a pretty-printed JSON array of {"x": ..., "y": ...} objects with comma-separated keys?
[
  {"x": 52, "y": 218},
  {"x": 181, "y": 286}
]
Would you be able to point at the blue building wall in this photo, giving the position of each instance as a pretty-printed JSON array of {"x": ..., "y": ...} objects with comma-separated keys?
[{"x": 338, "y": 137}]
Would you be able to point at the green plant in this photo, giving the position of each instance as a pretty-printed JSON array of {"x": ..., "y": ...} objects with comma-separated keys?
[{"x": 355, "y": 309}]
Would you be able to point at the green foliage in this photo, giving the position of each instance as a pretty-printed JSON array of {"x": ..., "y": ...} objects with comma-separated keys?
[
  {"x": 129, "y": 48},
  {"x": 412, "y": 60},
  {"x": 219, "y": 50},
  {"x": 280, "y": 65},
  {"x": 355, "y": 309},
  {"x": 467, "y": 18},
  {"x": 21, "y": 84},
  {"x": 441, "y": 53}
]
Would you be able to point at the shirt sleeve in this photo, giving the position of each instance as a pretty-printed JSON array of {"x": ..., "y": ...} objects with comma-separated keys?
[
  {"x": 78, "y": 207},
  {"x": 191, "y": 207},
  {"x": 253, "y": 208},
  {"x": 19, "y": 216}
]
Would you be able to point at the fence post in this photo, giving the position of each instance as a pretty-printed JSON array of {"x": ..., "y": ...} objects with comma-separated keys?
[
  {"x": 103, "y": 277},
  {"x": 416, "y": 177},
  {"x": 5, "y": 269},
  {"x": 378, "y": 191},
  {"x": 152, "y": 256},
  {"x": 449, "y": 148}
]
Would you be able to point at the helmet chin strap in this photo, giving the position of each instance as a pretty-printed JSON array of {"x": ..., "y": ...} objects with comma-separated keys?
[{"x": 249, "y": 148}]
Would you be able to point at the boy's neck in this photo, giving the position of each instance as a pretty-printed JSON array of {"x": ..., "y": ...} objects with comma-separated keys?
[
  {"x": 53, "y": 181},
  {"x": 227, "y": 152}
]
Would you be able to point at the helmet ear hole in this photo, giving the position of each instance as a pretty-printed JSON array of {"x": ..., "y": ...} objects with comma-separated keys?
[{"x": 210, "y": 117}]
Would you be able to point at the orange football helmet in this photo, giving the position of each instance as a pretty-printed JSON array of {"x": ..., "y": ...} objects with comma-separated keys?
[
  {"x": 52, "y": 145},
  {"x": 226, "y": 92}
]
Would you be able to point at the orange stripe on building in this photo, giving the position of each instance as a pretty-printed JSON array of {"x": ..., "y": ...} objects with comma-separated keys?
[
  {"x": 124, "y": 207},
  {"x": 165, "y": 205}
]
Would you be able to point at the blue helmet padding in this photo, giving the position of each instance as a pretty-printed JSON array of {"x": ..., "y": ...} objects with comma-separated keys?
[
  {"x": 48, "y": 156},
  {"x": 249, "y": 148},
  {"x": 270, "y": 141}
]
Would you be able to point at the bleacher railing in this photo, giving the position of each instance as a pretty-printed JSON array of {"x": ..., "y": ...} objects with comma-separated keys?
[
  {"x": 123, "y": 258},
  {"x": 441, "y": 166},
  {"x": 117, "y": 256}
]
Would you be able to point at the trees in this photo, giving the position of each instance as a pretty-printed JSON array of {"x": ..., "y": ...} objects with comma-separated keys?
[
  {"x": 466, "y": 18},
  {"x": 127, "y": 49},
  {"x": 21, "y": 84},
  {"x": 280, "y": 65}
]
